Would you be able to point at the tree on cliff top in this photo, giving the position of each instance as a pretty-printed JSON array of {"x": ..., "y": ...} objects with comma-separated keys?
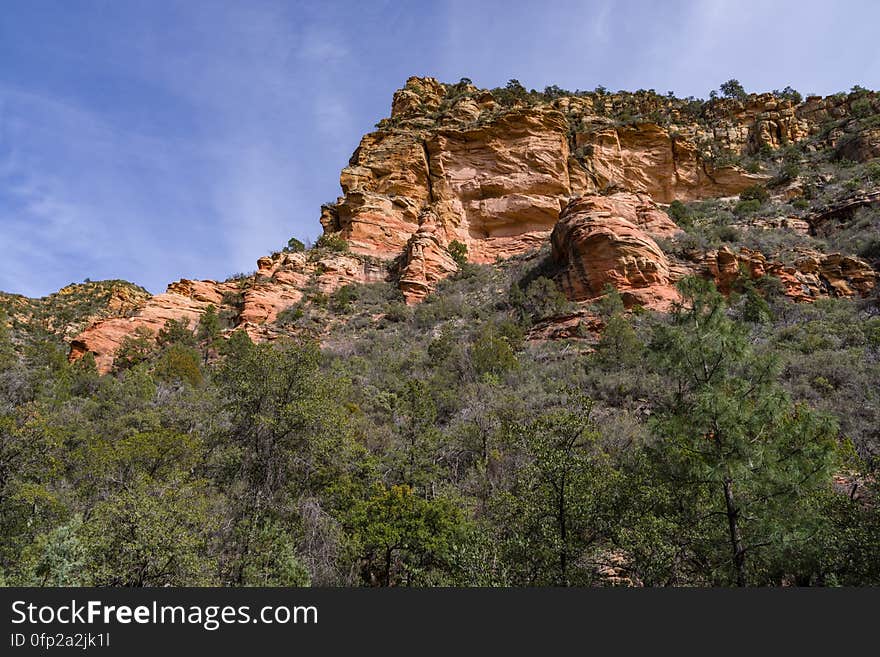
[{"x": 733, "y": 89}]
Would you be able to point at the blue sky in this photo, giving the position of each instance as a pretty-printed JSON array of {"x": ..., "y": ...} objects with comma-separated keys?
[{"x": 155, "y": 140}]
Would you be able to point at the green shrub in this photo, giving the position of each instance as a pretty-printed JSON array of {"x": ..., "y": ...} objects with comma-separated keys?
[
  {"x": 179, "y": 364},
  {"x": 290, "y": 314},
  {"x": 234, "y": 299},
  {"x": 755, "y": 193},
  {"x": 208, "y": 329},
  {"x": 135, "y": 349},
  {"x": 765, "y": 151},
  {"x": 459, "y": 252},
  {"x": 680, "y": 213},
  {"x": 726, "y": 233},
  {"x": 176, "y": 332},
  {"x": 747, "y": 207},
  {"x": 755, "y": 308},
  {"x": 492, "y": 353},
  {"x": 861, "y": 108},
  {"x": 272, "y": 560},
  {"x": 319, "y": 299},
  {"x": 543, "y": 299},
  {"x": 341, "y": 300},
  {"x": 398, "y": 312},
  {"x": 294, "y": 246},
  {"x": 610, "y": 303},
  {"x": 619, "y": 345},
  {"x": 442, "y": 347},
  {"x": 511, "y": 93},
  {"x": 332, "y": 243},
  {"x": 789, "y": 171}
]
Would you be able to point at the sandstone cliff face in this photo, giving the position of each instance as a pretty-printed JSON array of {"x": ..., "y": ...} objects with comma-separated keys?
[
  {"x": 652, "y": 160},
  {"x": 495, "y": 176},
  {"x": 502, "y": 177},
  {"x": 497, "y": 187},
  {"x": 745, "y": 126}
]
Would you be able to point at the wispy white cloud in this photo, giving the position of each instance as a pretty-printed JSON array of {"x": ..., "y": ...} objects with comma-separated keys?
[
  {"x": 322, "y": 45},
  {"x": 600, "y": 28},
  {"x": 264, "y": 88},
  {"x": 68, "y": 201}
]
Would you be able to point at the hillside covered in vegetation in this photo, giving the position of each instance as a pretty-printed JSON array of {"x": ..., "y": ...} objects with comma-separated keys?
[{"x": 547, "y": 338}]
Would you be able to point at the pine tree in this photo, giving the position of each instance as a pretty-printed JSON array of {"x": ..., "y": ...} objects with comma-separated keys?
[{"x": 738, "y": 456}]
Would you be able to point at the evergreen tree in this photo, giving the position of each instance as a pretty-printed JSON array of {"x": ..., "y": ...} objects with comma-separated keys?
[
  {"x": 402, "y": 538},
  {"x": 561, "y": 500},
  {"x": 208, "y": 330},
  {"x": 739, "y": 457}
]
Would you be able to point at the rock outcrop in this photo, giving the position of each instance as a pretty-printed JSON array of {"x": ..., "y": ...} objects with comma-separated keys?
[
  {"x": 499, "y": 188},
  {"x": 104, "y": 338},
  {"x": 496, "y": 174},
  {"x": 595, "y": 245},
  {"x": 74, "y": 307},
  {"x": 250, "y": 304},
  {"x": 496, "y": 187},
  {"x": 650, "y": 159},
  {"x": 426, "y": 261},
  {"x": 811, "y": 276},
  {"x": 860, "y": 146},
  {"x": 825, "y": 221}
]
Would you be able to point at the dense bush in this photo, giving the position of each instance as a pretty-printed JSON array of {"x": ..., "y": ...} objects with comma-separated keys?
[
  {"x": 679, "y": 213},
  {"x": 746, "y": 207},
  {"x": 755, "y": 193}
]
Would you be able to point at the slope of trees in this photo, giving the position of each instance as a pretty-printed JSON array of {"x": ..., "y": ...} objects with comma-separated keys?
[{"x": 438, "y": 447}]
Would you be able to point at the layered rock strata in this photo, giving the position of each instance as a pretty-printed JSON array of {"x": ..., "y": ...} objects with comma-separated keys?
[{"x": 457, "y": 164}]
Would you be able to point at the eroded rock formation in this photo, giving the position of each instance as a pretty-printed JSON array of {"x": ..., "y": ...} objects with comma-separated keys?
[
  {"x": 502, "y": 176},
  {"x": 74, "y": 307},
  {"x": 251, "y": 304},
  {"x": 594, "y": 245},
  {"x": 427, "y": 260},
  {"x": 496, "y": 175},
  {"x": 650, "y": 159},
  {"x": 811, "y": 276}
]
